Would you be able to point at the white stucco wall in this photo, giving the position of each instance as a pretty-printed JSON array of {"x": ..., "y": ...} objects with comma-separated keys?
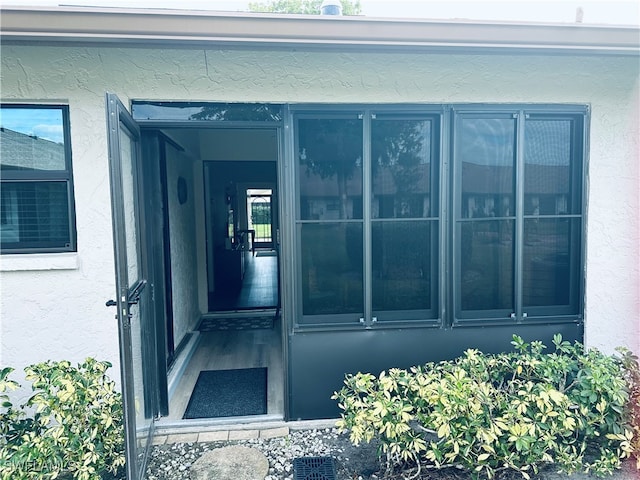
[
  {"x": 53, "y": 306},
  {"x": 61, "y": 313},
  {"x": 182, "y": 238}
]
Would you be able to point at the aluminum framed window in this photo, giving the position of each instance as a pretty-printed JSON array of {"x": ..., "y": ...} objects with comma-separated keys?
[
  {"x": 329, "y": 150},
  {"x": 405, "y": 216},
  {"x": 36, "y": 199},
  {"x": 518, "y": 214},
  {"x": 478, "y": 219},
  {"x": 367, "y": 216}
]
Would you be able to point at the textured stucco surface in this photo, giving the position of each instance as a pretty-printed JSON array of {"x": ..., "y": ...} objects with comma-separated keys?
[
  {"x": 61, "y": 313},
  {"x": 182, "y": 238}
]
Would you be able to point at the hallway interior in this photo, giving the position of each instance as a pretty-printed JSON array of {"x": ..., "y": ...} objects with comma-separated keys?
[
  {"x": 239, "y": 348},
  {"x": 234, "y": 349},
  {"x": 259, "y": 286}
]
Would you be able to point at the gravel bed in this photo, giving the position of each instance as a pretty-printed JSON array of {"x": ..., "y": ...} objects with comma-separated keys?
[{"x": 173, "y": 461}]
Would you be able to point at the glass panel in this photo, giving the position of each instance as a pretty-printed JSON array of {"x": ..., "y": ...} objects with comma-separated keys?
[
  {"x": 238, "y": 112},
  {"x": 400, "y": 166},
  {"x": 143, "y": 416},
  {"x": 127, "y": 150},
  {"x": 31, "y": 139},
  {"x": 401, "y": 265},
  {"x": 549, "y": 247},
  {"x": 34, "y": 214},
  {"x": 332, "y": 268},
  {"x": 548, "y": 177},
  {"x": 260, "y": 215},
  {"x": 486, "y": 153},
  {"x": 330, "y": 173},
  {"x": 486, "y": 264}
]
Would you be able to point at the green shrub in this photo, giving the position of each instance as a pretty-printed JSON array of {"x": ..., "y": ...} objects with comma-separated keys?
[
  {"x": 71, "y": 425},
  {"x": 12, "y": 422},
  {"x": 632, "y": 375},
  {"x": 490, "y": 413}
]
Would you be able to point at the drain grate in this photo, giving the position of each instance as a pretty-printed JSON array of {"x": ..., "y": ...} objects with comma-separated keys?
[{"x": 314, "y": 468}]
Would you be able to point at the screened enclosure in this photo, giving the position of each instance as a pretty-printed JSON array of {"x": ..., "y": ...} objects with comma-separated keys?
[{"x": 423, "y": 231}]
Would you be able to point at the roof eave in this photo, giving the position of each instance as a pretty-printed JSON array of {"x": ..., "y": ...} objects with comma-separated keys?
[{"x": 181, "y": 27}]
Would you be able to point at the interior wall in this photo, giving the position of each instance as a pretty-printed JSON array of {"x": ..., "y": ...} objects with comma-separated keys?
[
  {"x": 183, "y": 241},
  {"x": 239, "y": 144}
]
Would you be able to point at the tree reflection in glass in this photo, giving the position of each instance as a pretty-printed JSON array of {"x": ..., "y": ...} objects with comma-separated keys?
[
  {"x": 330, "y": 189},
  {"x": 402, "y": 250},
  {"x": 330, "y": 173}
]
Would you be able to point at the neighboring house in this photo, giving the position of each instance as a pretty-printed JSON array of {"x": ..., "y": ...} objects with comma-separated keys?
[
  {"x": 39, "y": 204},
  {"x": 434, "y": 186}
]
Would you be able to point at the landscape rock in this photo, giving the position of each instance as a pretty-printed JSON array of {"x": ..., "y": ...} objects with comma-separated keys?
[{"x": 234, "y": 462}]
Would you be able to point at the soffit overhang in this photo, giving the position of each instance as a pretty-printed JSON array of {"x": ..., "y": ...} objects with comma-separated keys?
[{"x": 183, "y": 28}]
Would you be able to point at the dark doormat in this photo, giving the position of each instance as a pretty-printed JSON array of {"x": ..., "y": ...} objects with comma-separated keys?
[
  {"x": 229, "y": 393},
  {"x": 236, "y": 323}
]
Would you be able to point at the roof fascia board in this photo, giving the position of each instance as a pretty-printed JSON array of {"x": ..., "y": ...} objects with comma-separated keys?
[{"x": 182, "y": 27}]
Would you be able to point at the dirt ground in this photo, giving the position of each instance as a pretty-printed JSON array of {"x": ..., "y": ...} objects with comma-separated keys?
[{"x": 362, "y": 463}]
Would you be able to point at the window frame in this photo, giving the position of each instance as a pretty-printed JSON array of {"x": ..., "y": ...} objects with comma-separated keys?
[
  {"x": 457, "y": 220},
  {"x": 446, "y": 316},
  {"x": 424, "y": 316},
  {"x": 47, "y": 176},
  {"x": 392, "y": 319},
  {"x": 580, "y": 117},
  {"x": 578, "y": 135},
  {"x": 335, "y": 320}
]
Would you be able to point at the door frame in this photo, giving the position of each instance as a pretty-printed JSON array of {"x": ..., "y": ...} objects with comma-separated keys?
[
  {"x": 156, "y": 219},
  {"x": 127, "y": 295},
  {"x": 283, "y": 232}
]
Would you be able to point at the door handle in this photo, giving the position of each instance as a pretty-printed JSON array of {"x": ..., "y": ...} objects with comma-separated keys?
[{"x": 134, "y": 294}]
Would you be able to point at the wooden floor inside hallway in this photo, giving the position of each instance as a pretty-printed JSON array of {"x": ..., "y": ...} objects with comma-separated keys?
[
  {"x": 259, "y": 287},
  {"x": 224, "y": 350}
]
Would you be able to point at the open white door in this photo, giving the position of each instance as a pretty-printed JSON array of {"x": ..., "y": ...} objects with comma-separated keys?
[{"x": 133, "y": 299}]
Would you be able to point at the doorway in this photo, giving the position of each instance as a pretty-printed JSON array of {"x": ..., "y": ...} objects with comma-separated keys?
[
  {"x": 241, "y": 216},
  {"x": 221, "y": 281},
  {"x": 260, "y": 218},
  {"x": 168, "y": 207}
]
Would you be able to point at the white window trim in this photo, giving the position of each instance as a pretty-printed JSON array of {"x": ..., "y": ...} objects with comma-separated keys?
[{"x": 39, "y": 261}]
